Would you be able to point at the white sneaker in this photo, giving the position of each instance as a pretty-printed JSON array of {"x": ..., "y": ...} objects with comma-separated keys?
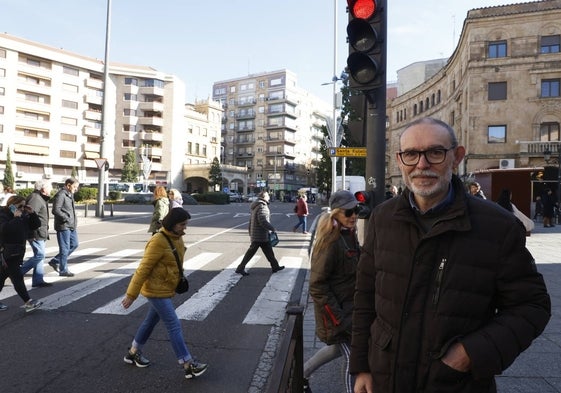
[{"x": 32, "y": 305}]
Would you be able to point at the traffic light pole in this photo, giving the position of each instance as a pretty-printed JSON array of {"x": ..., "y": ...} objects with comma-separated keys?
[{"x": 375, "y": 126}]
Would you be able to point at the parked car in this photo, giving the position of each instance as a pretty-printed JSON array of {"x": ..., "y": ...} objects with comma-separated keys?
[
  {"x": 235, "y": 197},
  {"x": 188, "y": 199}
]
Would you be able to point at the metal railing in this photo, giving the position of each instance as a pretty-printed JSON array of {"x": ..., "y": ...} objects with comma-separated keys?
[{"x": 288, "y": 368}]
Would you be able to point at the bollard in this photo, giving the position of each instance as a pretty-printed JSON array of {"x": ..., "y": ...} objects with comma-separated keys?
[
  {"x": 102, "y": 212},
  {"x": 111, "y": 210},
  {"x": 86, "y": 210}
]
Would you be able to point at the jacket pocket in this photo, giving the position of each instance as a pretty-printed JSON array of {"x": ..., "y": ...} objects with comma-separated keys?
[{"x": 381, "y": 334}]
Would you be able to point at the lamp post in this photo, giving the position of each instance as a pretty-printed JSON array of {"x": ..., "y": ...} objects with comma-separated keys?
[{"x": 547, "y": 156}]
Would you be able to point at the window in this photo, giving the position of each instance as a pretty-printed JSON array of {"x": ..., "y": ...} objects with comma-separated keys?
[
  {"x": 128, "y": 143},
  {"x": 2, "y": 72},
  {"x": 129, "y": 128},
  {"x": 69, "y": 87},
  {"x": 70, "y": 71},
  {"x": 550, "y": 44},
  {"x": 130, "y": 97},
  {"x": 69, "y": 121},
  {"x": 131, "y": 81},
  {"x": 1, "y": 110},
  {"x": 3, "y": 53},
  {"x": 549, "y": 132},
  {"x": 69, "y": 104},
  {"x": 154, "y": 83},
  {"x": 129, "y": 112},
  {"x": 497, "y": 49},
  {"x": 68, "y": 137},
  {"x": 67, "y": 154},
  {"x": 496, "y": 134},
  {"x": 496, "y": 91},
  {"x": 550, "y": 88},
  {"x": 2, "y": 91}
]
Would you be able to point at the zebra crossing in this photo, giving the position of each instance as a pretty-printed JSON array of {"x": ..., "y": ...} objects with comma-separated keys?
[{"x": 268, "y": 308}]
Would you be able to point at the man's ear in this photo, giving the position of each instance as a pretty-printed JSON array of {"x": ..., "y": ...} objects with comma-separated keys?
[{"x": 459, "y": 154}]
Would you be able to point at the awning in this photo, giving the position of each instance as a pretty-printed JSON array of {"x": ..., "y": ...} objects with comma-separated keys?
[
  {"x": 31, "y": 149},
  {"x": 91, "y": 155}
]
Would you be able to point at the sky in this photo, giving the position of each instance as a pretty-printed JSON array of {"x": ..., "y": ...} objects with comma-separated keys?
[{"x": 205, "y": 41}]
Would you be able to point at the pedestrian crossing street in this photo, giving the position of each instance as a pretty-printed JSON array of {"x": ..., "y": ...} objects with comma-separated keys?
[{"x": 268, "y": 308}]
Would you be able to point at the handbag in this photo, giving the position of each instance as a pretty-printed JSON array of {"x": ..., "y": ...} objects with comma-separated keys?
[
  {"x": 273, "y": 239},
  {"x": 183, "y": 285}
]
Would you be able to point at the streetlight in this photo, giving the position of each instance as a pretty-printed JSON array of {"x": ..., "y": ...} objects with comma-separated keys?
[{"x": 547, "y": 156}]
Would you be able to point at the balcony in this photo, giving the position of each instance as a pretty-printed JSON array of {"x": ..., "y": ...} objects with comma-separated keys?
[
  {"x": 94, "y": 83},
  {"x": 152, "y": 106},
  {"x": 92, "y": 147},
  {"x": 153, "y": 151},
  {"x": 151, "y": 121},
  {"x": 245, "y": 129},
  {"x": 92, "y": 115},
  {"x": 91, "y": 98},
  {"x": 152, "y": 136},
  {"x": 92, "y": 131},
  {"x": 152, "y": 90}
]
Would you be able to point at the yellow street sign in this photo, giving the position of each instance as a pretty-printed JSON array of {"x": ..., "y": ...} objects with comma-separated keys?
[{"x": 347, "y": 152}]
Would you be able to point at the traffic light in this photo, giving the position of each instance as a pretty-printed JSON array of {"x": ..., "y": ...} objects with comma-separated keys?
[
  {"x": 366, "y": 202},
  {"x": 366, "y": 33}
]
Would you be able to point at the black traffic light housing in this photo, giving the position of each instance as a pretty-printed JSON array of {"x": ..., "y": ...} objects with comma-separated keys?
[
  {"x": 365, "y": 202},
  {"x": 366, "y": 33}
]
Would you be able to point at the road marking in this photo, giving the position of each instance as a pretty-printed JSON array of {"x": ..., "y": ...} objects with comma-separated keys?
[
  {"x": 198, "y": 306},
  {"x": 115, "y": 307},
  {"x": 78, "y": 291},
  {"x": 53, "y": 276},
  {"x": 270, "y": 306}
]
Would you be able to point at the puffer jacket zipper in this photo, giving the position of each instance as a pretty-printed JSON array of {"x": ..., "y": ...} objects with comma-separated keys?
[{"x": 438, "y": 281}]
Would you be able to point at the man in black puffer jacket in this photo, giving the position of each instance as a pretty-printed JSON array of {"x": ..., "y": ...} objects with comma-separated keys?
[{"x": 447, "y": 294}]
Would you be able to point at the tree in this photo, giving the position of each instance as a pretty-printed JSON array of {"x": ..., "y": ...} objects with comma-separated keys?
[
  {"x": 130, "y": 172},
  {"x": 215, "y": 174},
  {"x": 323, "y": 170},
  {"x": 8, "y": 180},
  {"x": 74, "y": 173}
]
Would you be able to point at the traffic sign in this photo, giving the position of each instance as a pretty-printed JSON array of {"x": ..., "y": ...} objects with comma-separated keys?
[
  {"x": 347, "y": 152},
  {"x": 100, "y": 162}
]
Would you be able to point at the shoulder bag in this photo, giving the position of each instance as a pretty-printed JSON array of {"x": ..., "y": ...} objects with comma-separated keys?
[
  {"x": 183, "y": 285},
  {"x": 273, "y": 239}
]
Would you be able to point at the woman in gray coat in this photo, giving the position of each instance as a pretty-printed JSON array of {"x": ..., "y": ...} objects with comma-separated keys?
[{"x": 259, "y": 228}]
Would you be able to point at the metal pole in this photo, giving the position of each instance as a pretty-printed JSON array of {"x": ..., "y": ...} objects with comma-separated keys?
[
  {"x": 101, "y": 174},
  {"x": 334, "y": 126},
  {"x": 558, "y": 182}
]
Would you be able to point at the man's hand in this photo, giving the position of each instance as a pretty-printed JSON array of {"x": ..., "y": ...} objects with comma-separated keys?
[
  {"x": 457, "y": 358},
  {"x": 363, "y": 383}
]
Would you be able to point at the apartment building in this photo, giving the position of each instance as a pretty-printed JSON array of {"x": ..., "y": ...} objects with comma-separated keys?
[
  {"x": 500, "y": 90},
  {"x": 272, "y": 128},
  {"x": 52, "y": 119}
]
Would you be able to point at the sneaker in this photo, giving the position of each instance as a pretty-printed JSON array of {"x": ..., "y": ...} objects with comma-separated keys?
[
  {"x": 242, "y": 272},
  {"x": 66, "y": 274},
  {"x": 3, "y": 307},
  {"x": 306, "y": 386},
  {"x": 137, "y": 359},
  {"x": 54, "y": 265},
  {"x": 194, "y": 369},
  {"x": 43, "y": 284},
  {"x": 32, "y": 305}
]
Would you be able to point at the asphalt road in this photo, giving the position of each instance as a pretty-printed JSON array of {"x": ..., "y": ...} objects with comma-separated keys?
[{"x": 77, "y": 341}]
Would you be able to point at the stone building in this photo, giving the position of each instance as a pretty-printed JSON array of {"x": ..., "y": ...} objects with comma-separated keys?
[{"x": 500, "y": 90}]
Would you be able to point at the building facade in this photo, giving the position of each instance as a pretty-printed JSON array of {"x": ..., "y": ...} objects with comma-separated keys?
[
  {"x": 500, "y": 90},
  {"x": 53, "y": 123},
  {"x": 272, "y": 128}
]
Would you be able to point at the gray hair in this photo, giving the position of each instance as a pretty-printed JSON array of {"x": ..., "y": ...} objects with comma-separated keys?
[
  {"x": 436, "y": 122},
  {"x": 40, "y": 184}
]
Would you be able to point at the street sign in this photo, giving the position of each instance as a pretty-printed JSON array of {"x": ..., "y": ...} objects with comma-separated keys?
[
  {"x": 347, "y": 152},
  {"x": 100, "y": 162}
]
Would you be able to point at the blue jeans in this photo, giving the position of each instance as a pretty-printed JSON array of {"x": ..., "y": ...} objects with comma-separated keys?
[
  {"x": 67, "y": 243},
  {"x": 36, "y": 261},
  {"x": 302, "y": 220},
  {"x": 162, "y": 308}
]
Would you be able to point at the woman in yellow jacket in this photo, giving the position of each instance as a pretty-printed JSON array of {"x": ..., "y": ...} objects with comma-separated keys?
[{"x": 156, "y": 278}]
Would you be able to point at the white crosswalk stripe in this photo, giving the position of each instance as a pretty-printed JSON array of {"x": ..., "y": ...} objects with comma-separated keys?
[
  {"x": 78, "y": 291},
  {"x": 268, "y": 309},
  {"x": 53, "y": 276},
  {"x": 203, "y": 302},
  {"x": 115, "y": 307}
]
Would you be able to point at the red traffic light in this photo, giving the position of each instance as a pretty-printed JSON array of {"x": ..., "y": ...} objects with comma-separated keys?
[
  {"x": 362, "y": 9},
  {"x": 362, "y": 196}
]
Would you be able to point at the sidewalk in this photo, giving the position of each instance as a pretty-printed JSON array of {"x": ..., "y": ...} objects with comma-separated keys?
[{"x": 538, "y": 369}]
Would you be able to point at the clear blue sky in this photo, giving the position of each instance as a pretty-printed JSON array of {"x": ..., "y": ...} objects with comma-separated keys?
[{"x": 204, "y": 41}]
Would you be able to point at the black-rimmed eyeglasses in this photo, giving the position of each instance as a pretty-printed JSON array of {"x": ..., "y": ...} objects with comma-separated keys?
[
  {"x": 432, "y": 156},
  {"x": 350, "y": 212}
]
